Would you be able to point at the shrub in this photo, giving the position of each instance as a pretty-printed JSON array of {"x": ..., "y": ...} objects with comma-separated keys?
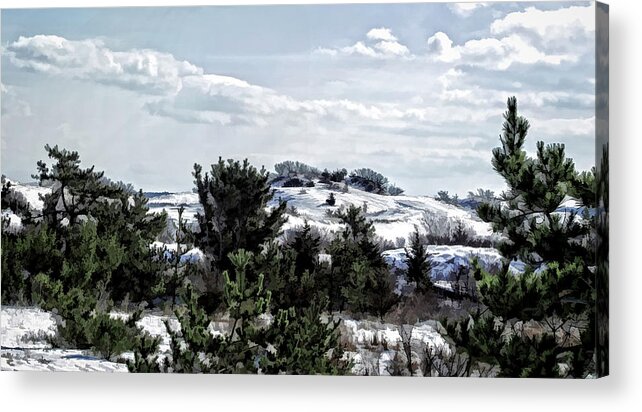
[
  {"x": 443, "y": 196},
  {"x": 394, "y": 190},
  {"x": 289, "y": 167},
  {"x": 369, "y": 180},
  {"x": 331, "y": 200}
]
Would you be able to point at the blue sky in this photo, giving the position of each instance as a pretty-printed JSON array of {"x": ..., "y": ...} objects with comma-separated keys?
[{"x": 415, "y": 91}]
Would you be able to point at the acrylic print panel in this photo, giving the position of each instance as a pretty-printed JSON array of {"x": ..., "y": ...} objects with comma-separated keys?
[{"x": 412, "y": 189}]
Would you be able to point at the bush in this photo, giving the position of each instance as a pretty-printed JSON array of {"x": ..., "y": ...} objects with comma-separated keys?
[
  {"x": 331, "y": 200},
  {"x": 289, "y": 167},
  {"x": 444, "y": 197},
  {"x": 294, "y": 182},
  {"x": 394, "y": 190},
  {"x": 108, "y": 336},
  {"x": 369, "y": 180},
  {"x": 303, "y": 344}
]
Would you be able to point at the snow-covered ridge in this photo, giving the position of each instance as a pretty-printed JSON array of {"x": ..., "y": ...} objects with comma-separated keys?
[{"x": 394, "y": 217}]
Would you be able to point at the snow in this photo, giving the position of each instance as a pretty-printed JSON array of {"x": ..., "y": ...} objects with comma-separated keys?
[
  {"x": 32, "y": 193},
  {"x": 22, "y": 337},
  {"x": 18, "y": 353},
  {"x": 393, "y": 216},
  {"x": 192, "y": 255},
  {"x": 376, "y": 344},
  {"x": 447, "y": 261}
]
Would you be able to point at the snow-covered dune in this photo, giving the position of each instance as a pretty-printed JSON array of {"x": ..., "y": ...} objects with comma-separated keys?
[{"x": 394, "y": 217}]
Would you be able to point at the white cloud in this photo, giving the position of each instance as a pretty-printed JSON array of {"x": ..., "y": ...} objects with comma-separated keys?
[
  {"x": 143, "y": 70},
  {"x": 493, "y": 53},
  {"x": 441, "y": 47},
  {"x": 380, "y": 44},
  {"x": 550, "y": 25},
  {"x": 465, "y": 9},
  {"x": 529, "y": 37},
  {"x": 381, "y": 33}
]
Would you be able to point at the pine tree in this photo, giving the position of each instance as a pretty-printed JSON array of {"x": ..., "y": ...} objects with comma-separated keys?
[
  {"x": 79, "y": 195},
  {"x": 557, "y": 288},
  {"x": 234, "y": 197},
  {"x": 359, "y": 275},
  {"x": 418, "y": 266}
]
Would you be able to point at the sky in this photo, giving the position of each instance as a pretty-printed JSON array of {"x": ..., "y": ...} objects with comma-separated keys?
[{"x": 414, "y": 91}]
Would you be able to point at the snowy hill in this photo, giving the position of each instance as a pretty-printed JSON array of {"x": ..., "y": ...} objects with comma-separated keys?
[{"x": 394, "y": 217}]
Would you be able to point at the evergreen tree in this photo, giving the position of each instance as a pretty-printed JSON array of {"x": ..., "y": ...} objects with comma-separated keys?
[
  {"x": 557, "y": 288},
  {"x": 418, "y": 266},
  {"x": 359, "y": 275},
  {"x": 234, "y": 197},
  {"x": 79, "y": 195},
  {"x": 295, "y": 342}
]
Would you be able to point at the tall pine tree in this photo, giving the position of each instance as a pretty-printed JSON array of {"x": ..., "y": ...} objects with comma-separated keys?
[{"x": 557, "y": 288}]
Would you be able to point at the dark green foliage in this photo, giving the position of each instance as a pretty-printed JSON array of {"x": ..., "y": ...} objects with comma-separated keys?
[
  {"x": 303, "y": 344},
  {"x": 89, "y": 244},
  {"x": 558, "y": 287},
  {"x": 293, "y": 272},
  {"x": 482, "y": 195},
  {"x": 417, "y": 262},
  {"x": 338, "y": 175},
  {"x": 179, "y": 270},
  {"x": 331, "y": 200},
  {"x": 120, "y": 219},
  {"x": 369, "y": 180},
  {"x": 359, "y": 276},
  {"x": 369, "y": 290},
  {"x": 195, "y": 349},
  {"x": 296, "y": 342},
  {"x": 602, "y": 270},
  {"x": 145, "y": 354},
  {"x": 294, "y": 182},
  {"x": 234, "y": 197},
  {"x": 109, "y": 336},
  {"x": 478, "y": 336},
  {"x": 529, "y": 357},
  {"x": 81, "y": 323}
]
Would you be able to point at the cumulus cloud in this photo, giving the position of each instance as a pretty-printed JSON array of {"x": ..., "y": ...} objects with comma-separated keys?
[
  {"x": 381, "y": 33},
  {"x": 466, "y": 9},
  {"x": 528, "y": 37},
  {"x": 380, "y": 43},
  {"x": 549, "y": 25},
  {"x": 144, "y": 70}
]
